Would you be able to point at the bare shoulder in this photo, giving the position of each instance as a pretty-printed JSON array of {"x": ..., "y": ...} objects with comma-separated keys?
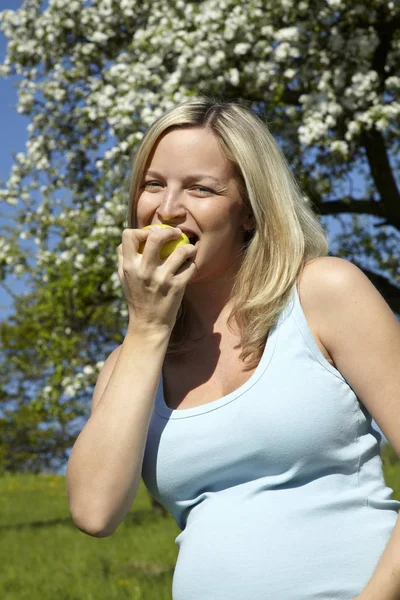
[
  {"x": 310, "y": 286},
  {"x": 361, "y": 333},
  {"x": 321, "y": 276},
  {"x": 325, "y": 283},
  {"x": 320, "y": 273}
]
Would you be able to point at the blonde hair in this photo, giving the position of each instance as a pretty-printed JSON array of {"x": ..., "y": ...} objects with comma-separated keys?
[{"x": 287, "y": 233}]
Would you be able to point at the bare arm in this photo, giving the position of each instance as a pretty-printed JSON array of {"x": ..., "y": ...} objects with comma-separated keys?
[{"x": 104, "y": 468}]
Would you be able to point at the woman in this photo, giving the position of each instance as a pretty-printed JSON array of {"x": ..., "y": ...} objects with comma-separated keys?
[{"x": 255, "y": 416}]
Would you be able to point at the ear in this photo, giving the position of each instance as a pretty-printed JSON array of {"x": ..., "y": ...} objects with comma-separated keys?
[{"x": 249, "y": 223}]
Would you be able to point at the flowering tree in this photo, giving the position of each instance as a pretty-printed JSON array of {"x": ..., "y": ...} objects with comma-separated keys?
[{"x": 95, "y": 74}]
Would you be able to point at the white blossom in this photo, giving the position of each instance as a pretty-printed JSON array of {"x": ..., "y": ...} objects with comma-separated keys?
[
  {"x": 233, "y": 75},
  {"x": 241, "y": 49},
  {"x": 98, "y": 36},
  {"x": 199, "y": 61},
  {"x": 340, "y": 146},
  {"x": 287, "y": 34},
  {"x": 290, "y": 73}
]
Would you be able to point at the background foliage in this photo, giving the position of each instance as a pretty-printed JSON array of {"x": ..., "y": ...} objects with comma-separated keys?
[{"x": 95, "y": 74}]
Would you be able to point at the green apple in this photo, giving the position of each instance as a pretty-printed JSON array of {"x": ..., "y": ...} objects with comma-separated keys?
[{"x": 168, "y": 247}]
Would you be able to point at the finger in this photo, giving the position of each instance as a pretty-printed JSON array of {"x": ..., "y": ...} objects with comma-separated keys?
[
  {"x": 157, "y": 238},
  {"x": 132, "y": 238}
]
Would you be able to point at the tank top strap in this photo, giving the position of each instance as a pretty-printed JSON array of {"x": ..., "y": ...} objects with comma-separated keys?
[{"x": 297, "y": 315}]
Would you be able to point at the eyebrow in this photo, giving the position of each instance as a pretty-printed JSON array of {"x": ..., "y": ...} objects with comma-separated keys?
[{"x": 191, "y": 177}]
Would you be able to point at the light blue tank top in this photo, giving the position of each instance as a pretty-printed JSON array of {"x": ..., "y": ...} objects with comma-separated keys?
[{"x": 277, "y": 487}]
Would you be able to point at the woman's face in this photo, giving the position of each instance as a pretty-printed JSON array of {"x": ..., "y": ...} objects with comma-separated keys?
[{"x": 190, "y": 183}]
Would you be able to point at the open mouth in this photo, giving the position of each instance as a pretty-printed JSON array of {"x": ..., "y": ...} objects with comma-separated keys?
[{"x": 193, "y": 239}]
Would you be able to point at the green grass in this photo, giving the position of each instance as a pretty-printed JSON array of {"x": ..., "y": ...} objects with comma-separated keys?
[{"x": 43, "y": 555}]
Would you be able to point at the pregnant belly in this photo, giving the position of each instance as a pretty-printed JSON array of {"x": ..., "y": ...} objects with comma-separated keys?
[{"x": 266, "y": 547}]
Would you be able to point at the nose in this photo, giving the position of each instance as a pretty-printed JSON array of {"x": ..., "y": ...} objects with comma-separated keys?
[{"x": 171, "y": 206}]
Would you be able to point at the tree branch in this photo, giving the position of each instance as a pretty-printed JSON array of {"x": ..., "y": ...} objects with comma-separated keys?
[
  {"x": 389, "y": 291},
  {"x": 348, "y": 204},
  {"x": 385, "y": 30},
  {"x": 381, "y": 172}
]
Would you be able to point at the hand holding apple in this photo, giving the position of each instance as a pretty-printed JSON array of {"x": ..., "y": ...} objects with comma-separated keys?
[
  {"x": 168, "y": 247},
  {"x": 154, "y": 288}
]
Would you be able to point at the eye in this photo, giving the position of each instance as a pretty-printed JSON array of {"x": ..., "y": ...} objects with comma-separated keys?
[
  {"x": 203, "y": 189},
  {"x": 151, "y": 183}
]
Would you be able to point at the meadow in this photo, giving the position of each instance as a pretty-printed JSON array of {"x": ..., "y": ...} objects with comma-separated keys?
[{"x": 44, "y": 556}]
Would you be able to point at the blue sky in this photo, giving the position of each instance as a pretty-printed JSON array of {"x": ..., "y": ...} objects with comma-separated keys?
[{"x": 13, "y": 127}]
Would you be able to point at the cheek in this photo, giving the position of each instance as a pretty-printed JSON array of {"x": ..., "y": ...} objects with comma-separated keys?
[{"x": 145, "y": 207}]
